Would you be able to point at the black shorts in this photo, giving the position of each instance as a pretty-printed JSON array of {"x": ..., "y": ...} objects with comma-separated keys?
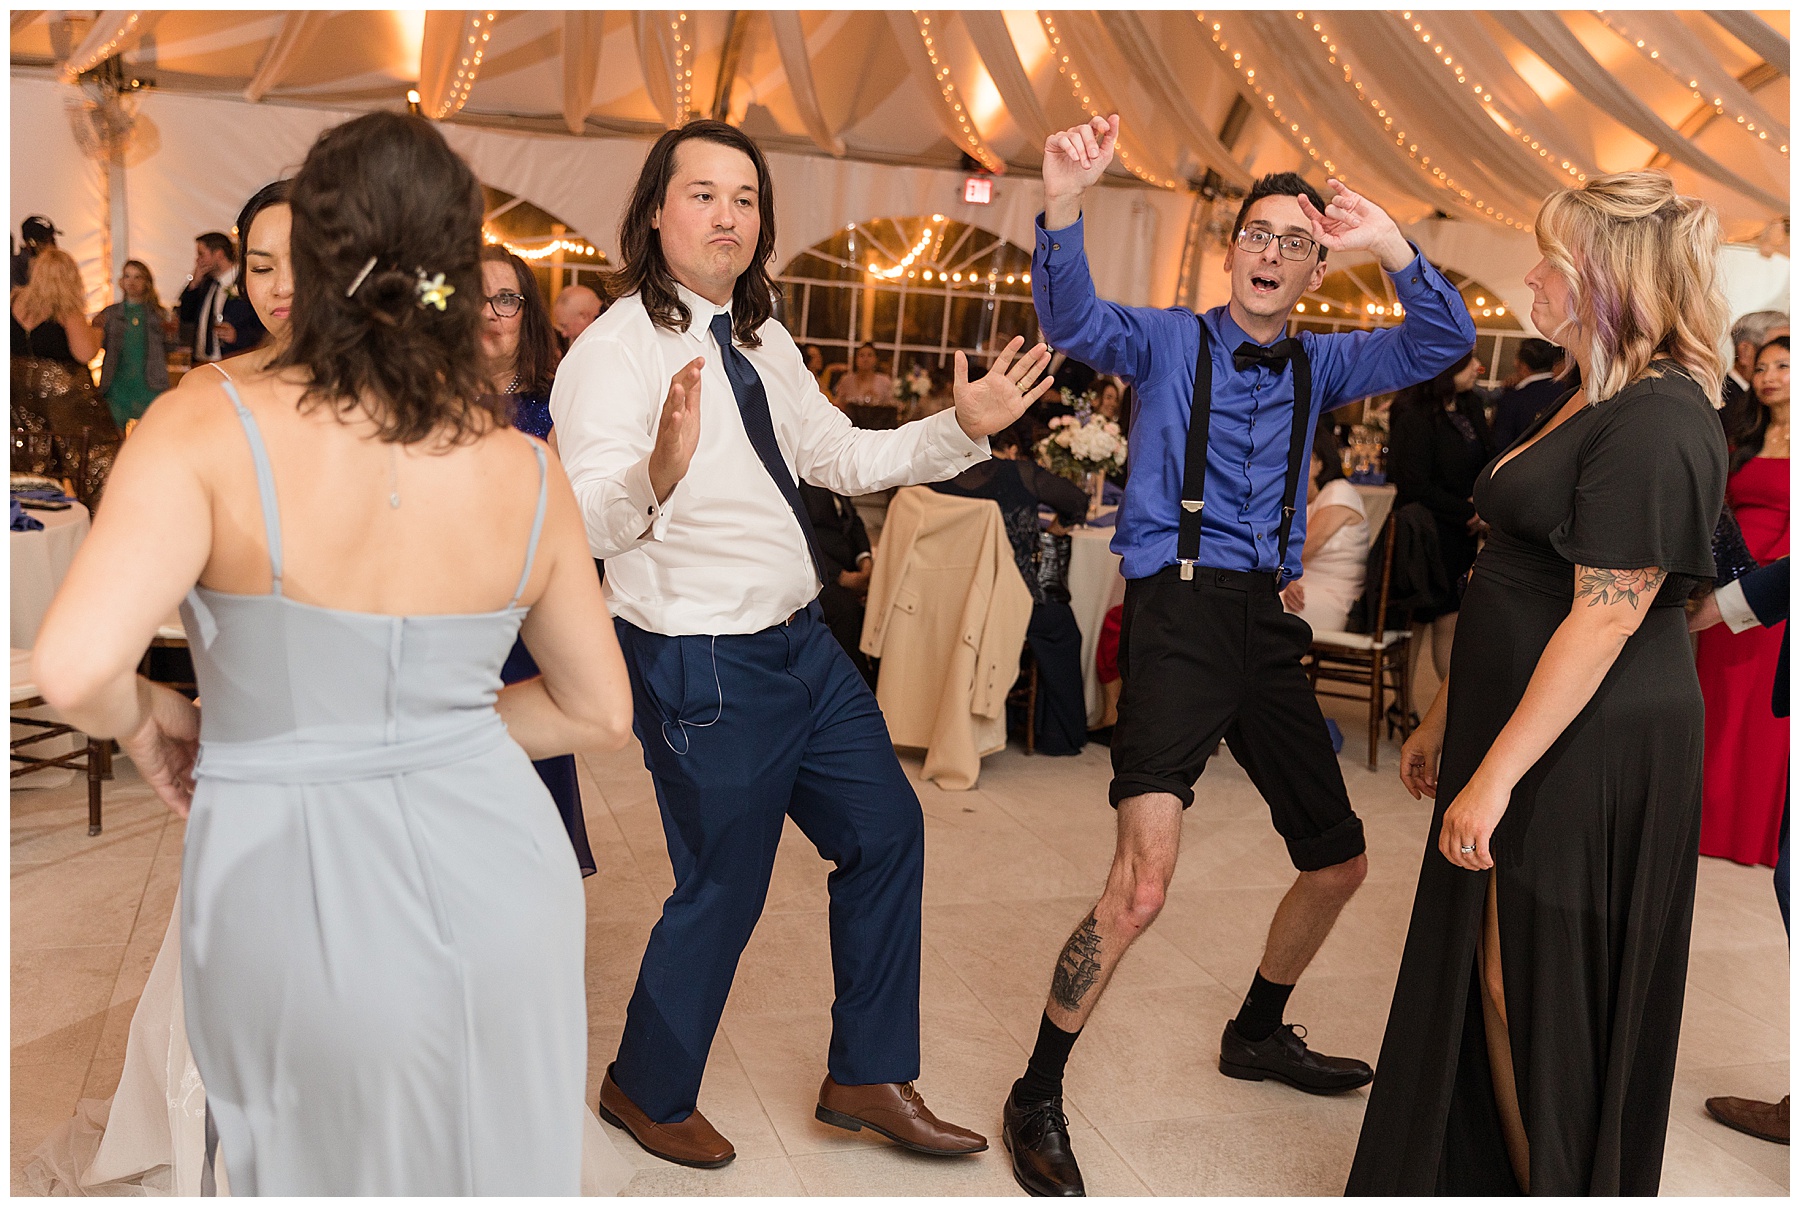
[{"x": 1217, "y": 657}]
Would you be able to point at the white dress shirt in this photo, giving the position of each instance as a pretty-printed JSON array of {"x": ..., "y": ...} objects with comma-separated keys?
[
  {"x": 724, "y": 553},
  {"x": 1734, "y": 609},
  {"x": 212, "y": 312}
]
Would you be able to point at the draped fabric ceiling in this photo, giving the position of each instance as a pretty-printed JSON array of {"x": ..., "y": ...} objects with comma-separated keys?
[{"x": 1459, "y": 122}]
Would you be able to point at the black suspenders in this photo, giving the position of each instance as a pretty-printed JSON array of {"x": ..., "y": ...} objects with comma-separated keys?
[{"x": 1193, "y": 476}]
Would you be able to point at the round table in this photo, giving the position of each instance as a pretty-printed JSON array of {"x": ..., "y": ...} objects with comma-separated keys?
[
  {"x": 1095, "y": 587},
  {"x": 39, "y": 561}
]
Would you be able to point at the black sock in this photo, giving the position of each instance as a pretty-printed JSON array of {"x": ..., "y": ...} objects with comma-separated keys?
[
  {"x": 1260, "y": 1016},
  {"x": 1044, "y": 1074}
]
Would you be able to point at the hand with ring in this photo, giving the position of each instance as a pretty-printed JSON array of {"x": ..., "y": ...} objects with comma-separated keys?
[{"x": 1469, "y": 822}]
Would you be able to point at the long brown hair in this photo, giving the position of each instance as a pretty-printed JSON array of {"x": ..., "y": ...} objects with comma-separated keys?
[
  {"x": 386, "y": 188},
  {"x": 151, "y": 298},
  {"x": 645, "y": 272},
  {"x": 537, "y": 355}
]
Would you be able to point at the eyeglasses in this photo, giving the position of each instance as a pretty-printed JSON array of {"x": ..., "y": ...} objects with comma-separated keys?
[
  {"x": 1293, "y": 247},
  {"x": 506, "y": 303}
]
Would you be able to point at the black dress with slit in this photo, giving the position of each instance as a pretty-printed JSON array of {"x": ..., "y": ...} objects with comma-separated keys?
[{"x": 1595, "y": 858}]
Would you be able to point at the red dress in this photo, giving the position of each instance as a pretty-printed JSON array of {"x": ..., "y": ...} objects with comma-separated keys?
[{"x": 1746, "y": 744}]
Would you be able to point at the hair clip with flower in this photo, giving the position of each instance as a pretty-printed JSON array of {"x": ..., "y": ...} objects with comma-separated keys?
[{"x": 433, "y": 291}]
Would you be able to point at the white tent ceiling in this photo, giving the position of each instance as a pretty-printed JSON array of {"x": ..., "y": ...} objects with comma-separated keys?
[{"x": 1470, "y": 116}]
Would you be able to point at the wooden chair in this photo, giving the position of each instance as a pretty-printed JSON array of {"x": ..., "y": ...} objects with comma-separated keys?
[
  {"x": 1024, "y": 695},
  {"x": 95, "y": 759},
  {"x": 1374, "y": 663}
]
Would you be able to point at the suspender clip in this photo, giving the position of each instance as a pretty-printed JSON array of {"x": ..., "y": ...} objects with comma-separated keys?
[
  {"x": 1187, "y": 569},
  {"x": 1192, "y": 504}
]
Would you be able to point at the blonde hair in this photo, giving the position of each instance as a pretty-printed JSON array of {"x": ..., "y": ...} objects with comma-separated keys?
[
  {"x": 55, "y": 288},
  {"x": 1641, "y": 263},
  {"x": 151, "y": 298}
]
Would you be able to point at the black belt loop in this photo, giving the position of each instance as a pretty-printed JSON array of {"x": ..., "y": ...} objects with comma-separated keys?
[
  {"x": 1298, "y": 442},
  {"x": 1193, "y": 476}
]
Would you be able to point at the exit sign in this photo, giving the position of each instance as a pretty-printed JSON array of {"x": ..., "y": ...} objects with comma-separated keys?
[{"x": 978, "y": 190}]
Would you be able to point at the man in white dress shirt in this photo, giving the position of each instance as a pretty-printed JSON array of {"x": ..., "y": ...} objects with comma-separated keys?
[{"x": 684, "y": 417}]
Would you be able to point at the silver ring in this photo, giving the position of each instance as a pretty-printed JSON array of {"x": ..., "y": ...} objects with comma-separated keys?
[{"x": 1466, "y": 850}]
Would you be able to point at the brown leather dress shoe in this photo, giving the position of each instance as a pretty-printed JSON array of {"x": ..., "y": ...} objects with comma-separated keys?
[
  {"x": 1764, "y": 1120},
  {"x": 690, "y": 1142},
  {"x": 897, "y": 1111}
]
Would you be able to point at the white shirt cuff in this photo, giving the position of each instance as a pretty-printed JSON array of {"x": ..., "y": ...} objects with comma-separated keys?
[
  {"x": 946, "y": 438},
  {"x": 1734, "y": 610},
  {"x": 642, "y": 496}
]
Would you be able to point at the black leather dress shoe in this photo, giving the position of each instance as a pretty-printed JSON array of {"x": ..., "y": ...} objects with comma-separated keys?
[
  {"x": 1285, "y": 1057},
  {"x": 1037, "y": 1136}
]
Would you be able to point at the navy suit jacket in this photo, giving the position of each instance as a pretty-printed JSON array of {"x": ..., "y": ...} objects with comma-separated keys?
[
  {"x": 1766, "y": 591},
  {"x": 1522, "y": 404}
]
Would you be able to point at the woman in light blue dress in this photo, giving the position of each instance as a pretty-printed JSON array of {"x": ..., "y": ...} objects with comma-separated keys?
[{"x": 382, "y": 917}]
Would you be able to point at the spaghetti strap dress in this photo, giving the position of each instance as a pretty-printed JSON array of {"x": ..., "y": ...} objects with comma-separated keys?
[
  {"x": 1596, "y": 856},
  {"x": 382, "y": 917}
]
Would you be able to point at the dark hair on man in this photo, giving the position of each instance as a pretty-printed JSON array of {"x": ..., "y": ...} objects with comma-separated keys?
[
  {"x": 386, "y": 187},
  {"x": 1331, "y": 457},
  {"x": 1540, "y": 355},
  {"x": 645, "y": 272},
  {"x": 273, "y": 193},
  {"x": 1746, "y": 419},
  {"x": 1279, "y": 184},
  {"x": 1433, "y": 394},
  {"x": 218, "y": 241},
  {"x": 537, "y": 356}
]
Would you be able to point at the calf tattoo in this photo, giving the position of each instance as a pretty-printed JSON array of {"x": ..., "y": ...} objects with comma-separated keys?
[
  {"x": 1078, "y": 969},
  {"x": 1601, "y": 587}
]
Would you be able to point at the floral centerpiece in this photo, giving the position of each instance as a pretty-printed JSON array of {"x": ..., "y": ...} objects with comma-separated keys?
[
  {"x": 1083, "y": 447},
  {"x": 911, "y": 388}
]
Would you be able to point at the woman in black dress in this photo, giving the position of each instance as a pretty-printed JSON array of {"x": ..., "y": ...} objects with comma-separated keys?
[
  {"x": 1438, "y": 440},
  {"x": 519, "y": 357},
  {"x": 1531, "y": 1043}
]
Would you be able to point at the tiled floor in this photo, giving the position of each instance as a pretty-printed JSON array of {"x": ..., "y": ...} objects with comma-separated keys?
[{"x": 1011, "y": 866}]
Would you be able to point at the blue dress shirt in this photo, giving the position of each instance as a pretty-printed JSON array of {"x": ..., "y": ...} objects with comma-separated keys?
[{"x": 1252, "y": 411}]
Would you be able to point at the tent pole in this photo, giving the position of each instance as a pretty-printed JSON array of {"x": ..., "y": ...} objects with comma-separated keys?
[{"x": 118, "y": 219}]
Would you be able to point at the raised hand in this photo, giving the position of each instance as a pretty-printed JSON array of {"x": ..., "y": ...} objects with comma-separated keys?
[
  {"x": 1073, "y": 161},
  {"x": 1351, "y": 221},
  {"x": 678, "y": 431},
  {"x": 984, "y": 407}
]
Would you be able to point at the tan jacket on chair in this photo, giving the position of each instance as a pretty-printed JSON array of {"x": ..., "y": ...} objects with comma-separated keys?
[{"x": 947, "y": 617}]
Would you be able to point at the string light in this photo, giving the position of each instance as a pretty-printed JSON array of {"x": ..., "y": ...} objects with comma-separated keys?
[
  {"x": 1411, "y": 150},
  {"x": 1463, "y": 76},
  {"x": 105, "y": 51},
  {"x": 1290, "y": 129},
  {"x": 474, "y": 47},
  {"x": 958, "y": 112},
  {"x": 533, "y": 254},
  {"x": 1618, "y": 26},
  {"x": 906, "y": 261},
  {"x": 684, "y": 71},
  {"x": 1067, "y": 68}
]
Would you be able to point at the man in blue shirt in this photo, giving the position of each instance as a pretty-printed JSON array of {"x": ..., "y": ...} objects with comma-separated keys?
[{"x": 1211, "y": 528}]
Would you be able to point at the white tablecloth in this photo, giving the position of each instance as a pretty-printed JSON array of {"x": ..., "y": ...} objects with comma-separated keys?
[
  {"x": 1377, "y": 502},
  {"x": 1095, "y": 586},
  {"x": 39, "y": 562}
]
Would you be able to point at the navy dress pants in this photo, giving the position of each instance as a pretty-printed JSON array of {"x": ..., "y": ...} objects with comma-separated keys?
[{"x": 740, "y": 732}]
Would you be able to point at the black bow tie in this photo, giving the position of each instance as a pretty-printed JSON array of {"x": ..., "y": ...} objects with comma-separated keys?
[{"x": 1274, "y": 358}]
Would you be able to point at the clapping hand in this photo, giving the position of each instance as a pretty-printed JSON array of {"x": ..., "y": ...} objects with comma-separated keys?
[
  {"x": 678, "y": 431},
  {"x": 1351, "y": 221},
  {"x": 984, "y": 407}
]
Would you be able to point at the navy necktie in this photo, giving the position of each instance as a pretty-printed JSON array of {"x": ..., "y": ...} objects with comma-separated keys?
[{"x": 753, "y": 405}]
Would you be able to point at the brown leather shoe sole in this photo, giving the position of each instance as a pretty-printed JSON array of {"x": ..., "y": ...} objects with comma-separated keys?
[
  {"x": 825, "y": 1114},
  {"x": 619, "y": 1123}
]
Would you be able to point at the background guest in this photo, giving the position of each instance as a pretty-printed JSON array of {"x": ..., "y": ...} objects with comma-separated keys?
[
  {"x": 1746, "y": 745},
  {"x": 1110, "y": 396},
  {"x": 1748, "y": 335},
  {"x": 1019, "y": 485},
  {"x": 575, "y": 307},
  {"x": 266, "y": 222},
  {"x": 1534, "y": 393},
  {"x": 1438, "y": 441},
  {"x": 1334, "y": 560},
  {"x": 135, "y": 370},
  {"x": 815, "y": 364},
  {"x": 865, "y": 384},
  {"x": 849, "y": 563},
  {"x": 35, "y": 233},
  {"x": 216, "y": 320},
  {"x": 49, "y": 313}
]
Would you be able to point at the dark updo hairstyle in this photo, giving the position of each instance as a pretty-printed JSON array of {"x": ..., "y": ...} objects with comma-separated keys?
[
  {"x": 386, "y": 187},
  {"x": 537, "y": 356},
  {"x": 273, "y": 193},
  {"x": 1746, "y": 419}
]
